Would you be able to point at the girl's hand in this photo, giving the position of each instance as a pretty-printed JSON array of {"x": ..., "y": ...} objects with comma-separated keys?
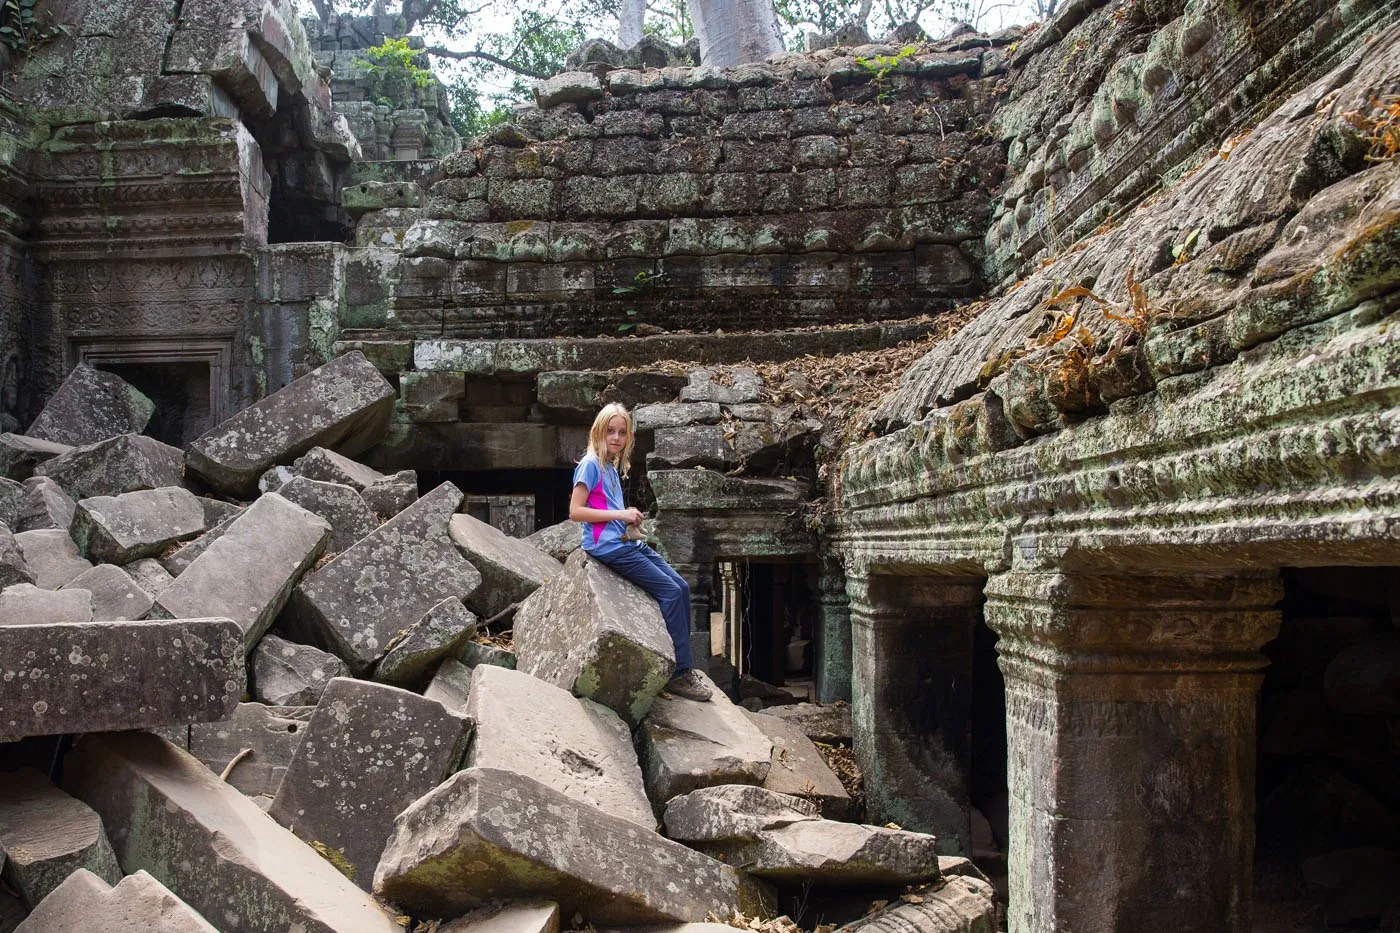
[{"x": 632, "y": 516}]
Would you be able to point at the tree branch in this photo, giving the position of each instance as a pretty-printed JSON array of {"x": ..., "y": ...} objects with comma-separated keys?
[
  {"x": 483, "y": 56},
  {"x": 325, "y": 9}
]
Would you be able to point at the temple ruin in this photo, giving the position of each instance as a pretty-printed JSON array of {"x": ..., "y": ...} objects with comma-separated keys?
[{"x": 1026, "y": 404}]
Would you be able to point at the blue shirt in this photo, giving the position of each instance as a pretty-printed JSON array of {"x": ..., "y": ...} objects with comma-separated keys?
[{"x": 604, "y": 492}]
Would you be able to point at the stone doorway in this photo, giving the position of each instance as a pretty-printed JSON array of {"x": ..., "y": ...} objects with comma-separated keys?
[
  {"x": 1327, "y": 851},
  {"x": 766, "y": 620},
  {"x": 519, "y": 502},
  {"x": 187, "y": 380}
]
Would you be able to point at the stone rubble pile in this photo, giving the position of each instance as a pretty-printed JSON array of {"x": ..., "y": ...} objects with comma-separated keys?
[{"x": 327, "y": 738}]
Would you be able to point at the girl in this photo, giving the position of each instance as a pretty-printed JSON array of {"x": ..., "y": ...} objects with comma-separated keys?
[{"x": 612, "y": 535}]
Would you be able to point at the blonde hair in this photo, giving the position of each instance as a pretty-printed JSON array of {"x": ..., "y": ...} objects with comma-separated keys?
[{"x": 598, "y": 436}]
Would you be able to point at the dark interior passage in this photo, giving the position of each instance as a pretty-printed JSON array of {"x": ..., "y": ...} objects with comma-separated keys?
[
  {"x": 545, "y": 491},
  {"x": 1328, "y": 807},
  {"x": 180, "y": 391}
]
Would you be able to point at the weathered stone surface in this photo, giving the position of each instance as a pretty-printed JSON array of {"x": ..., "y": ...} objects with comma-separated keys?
[
  {"x": 674, "y": 415},
  {"x": 272, "y": 734},
  {"x": 248, "y": 573},
  {"x": 342, "y": 508},
  {"x": 171, "y": 816},
  {"x": 485, "y": 834},
  {"x": 11, "y": 493},
  {"x": 593, "y": 633},
  {"x": 685, "y": 745},
  {"x": 115, "y": 596},
  {"x": 51, "y": 556},
  {"x": 120, "y": 464},
  {"x": 148, "y": 574},
  {"x": 138, "y": 904},
  {"x": 570, "y": 87},
  {"x": 440, "y": 633},
  {"x": 1365, "y": 679},
  {"x": 451, "y": 685},
  {"x": 91, "y": 406},
  {"x": 44, "y": 505},
  {"x": 13, "y": 569},
  {"x": 380, "y": 748},
  {"x": 344, "y": 404},
  {"x": 358, "y": 602},
  {"x": 46, "y": 835},
  {"x": 19, "y": 455},
  {"x": 79, "y": 677},
  {"x": 963, "y": 905},
  {"x": 120, "y": 529},
  {"x": 288, "y": 674},
  {"x": 513, "y": 917},
  {"x": 829, "y": 723},
  {"x": 176, "y": 562},
  {"x": 392, "y": 494},
  {"x": 510, "y": 568},
  {"x": 318, "y": 463},
  {"x": 558, "y": 541},
  {"x": 780, "y": 837},
  {"x": 799, "y": 769},
  {"x": 716, "y": 446},
  {"x": 740, "y": 385},
  {"x": 577, "y": 747},
  {"x": 27, "y": 604},
  {"x": 431, "y": 397}
]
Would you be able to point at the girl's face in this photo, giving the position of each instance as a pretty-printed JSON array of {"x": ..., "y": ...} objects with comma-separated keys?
[{"x": 617, "y": 435}]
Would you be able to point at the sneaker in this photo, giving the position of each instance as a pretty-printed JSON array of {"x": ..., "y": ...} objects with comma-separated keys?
[{"x": 689, "y": 684}]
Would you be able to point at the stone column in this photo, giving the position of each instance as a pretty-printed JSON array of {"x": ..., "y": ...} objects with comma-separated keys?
[
  {"x": 833, "y": 648},
  {"x": 1130, "y": 707},
  {"x": 911, "y": 699}
]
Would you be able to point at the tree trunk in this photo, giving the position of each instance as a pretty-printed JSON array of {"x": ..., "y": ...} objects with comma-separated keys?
[
  {"x": 732, "y": 32},
  {"x": 631, "y": 16}
]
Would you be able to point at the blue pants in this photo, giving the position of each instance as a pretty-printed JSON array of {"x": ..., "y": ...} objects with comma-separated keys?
[{"x": 641, "y": 565}]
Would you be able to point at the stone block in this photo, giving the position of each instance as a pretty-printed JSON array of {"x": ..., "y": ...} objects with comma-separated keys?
[
  {"x": 474, "y": 654},
  {"x": 392, "y": 494},
  {"x": 47, "y": 835},
  {"x": 674, "y": 415},
  {"x": 797, "y": 768},
  {"x": 51, "y": 556},
  {"x": 358, "y": 602},
  {"x": 288, "y": 674},
  {"x": 510, "y": 568},
  {"x": 120, "y": 464},
  {"x": 963, "y": 905},
  {"x": 138, "y": 904},
  {"x": 484, "y": 835},
  {"x": 247, "y": 574},
  {"x": 91, "y": 406},
  {"x": 27, "y": 604},
  {"x": 13, "y": 569},
  {"x": 44, "y": 505},
  {"x": 829, "y": 723},
  {"x": 271, "y": 735},
  {"x": 318, "y": 463},
  {"x": 148, "y": 574},
  {"x": 11, "y": 493},
  {"x": 344, "y": 405},
  {"x": 120, "y": 529},
  {"x": 558, "y": 541},
  {"x": 175, "y": 563},
  {"x": 577, "y": 747},
  {"x": 781, "y": 838},
  {"x": 171, "y": 816},
  {"x": 342, "y": 508},
  {"x": 392, "y": 766},
  {"x": 19, "y": 455},
  {"x": 570, "y": 87},
  {"x": 79, "y": 676},
  {"x": 432, "y": 397},
  {"x": 450, "y": 685},
  {"x": 685, "y": 745},
  {"x": 717, "y": 446},
  {"x": 572, "y": 394},
  {"x": 593, "y": 633},
  {"x": 439, "y": 634},
  {"x": 512, "y": 917},
  {"x": 114, "y": 596}
]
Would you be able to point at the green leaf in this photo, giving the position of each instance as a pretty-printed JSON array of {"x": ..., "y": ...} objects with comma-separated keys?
[{"x": 624, "y": 328}]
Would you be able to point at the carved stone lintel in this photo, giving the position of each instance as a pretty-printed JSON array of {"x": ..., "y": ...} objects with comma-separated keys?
[{"x": 1131, "y": 746}]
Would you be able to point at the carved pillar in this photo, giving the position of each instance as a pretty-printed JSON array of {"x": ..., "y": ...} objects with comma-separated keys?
[
  {"x": 698, "y": 576},
  {"x": 833, "y": 650},
  {"x": 911, "y": 699},
  {"x": 1131, "y": 743}
]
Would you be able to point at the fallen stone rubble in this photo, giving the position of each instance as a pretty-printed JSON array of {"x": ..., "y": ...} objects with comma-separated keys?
[{"x": 330, "y": 739}]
